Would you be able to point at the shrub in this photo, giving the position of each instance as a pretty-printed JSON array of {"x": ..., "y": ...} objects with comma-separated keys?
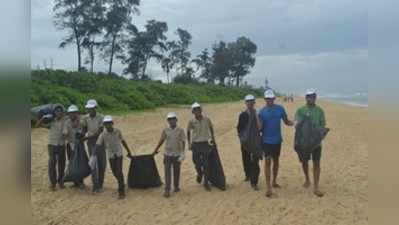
[{"x": 115, "y": 93}]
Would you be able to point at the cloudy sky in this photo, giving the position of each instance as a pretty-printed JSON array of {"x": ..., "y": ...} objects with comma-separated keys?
[{"x": 301, "y": 43}]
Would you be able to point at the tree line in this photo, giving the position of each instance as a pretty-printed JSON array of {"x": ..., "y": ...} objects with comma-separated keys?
[{"x": 105, "y": 28}]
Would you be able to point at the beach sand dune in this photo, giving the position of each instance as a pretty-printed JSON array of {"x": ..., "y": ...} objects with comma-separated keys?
[{"x": 344, "y": 178}]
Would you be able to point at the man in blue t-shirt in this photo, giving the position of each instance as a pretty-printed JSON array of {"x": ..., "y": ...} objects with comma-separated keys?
[{"x": 270, "y": 119}]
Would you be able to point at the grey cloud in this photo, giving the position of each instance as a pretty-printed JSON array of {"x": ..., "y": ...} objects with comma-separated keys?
[{"x": 295, "y": 38}]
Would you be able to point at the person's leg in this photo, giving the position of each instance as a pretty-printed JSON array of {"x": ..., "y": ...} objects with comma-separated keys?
[
  {"x": 305, "y": 168},
  {"x": 176, "y": 174},
  {"x": 121, "y": 179},
  {"x": 269, "y": 192},
  {"x": 197, "y": 164},
  {"x": 116, "y": 168},
  {"x": 254, "y": 171},
  {"x": 102, "y": 165},
  {"x": 52, "y": 174},
  {"x": 69, "y": 152},
  {"x": 246, "y": 163},
  {"x": 316, "y": 155},
  {"x": 167, "y": 165},
  {"x": 61, "y": 165},
  {"x": 316, "y": 176},
  {"x": 268, "y": 158},
  {"x": 91, "y": 144},
  {"x": 205, "y": 171},
  {"x": 276, "y": 164}
]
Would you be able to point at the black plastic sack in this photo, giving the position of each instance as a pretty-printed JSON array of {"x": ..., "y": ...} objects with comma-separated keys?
[
  {"x": 308, "y": 137},
  {"x": 250, "y": 138},
  {"x": 78, "y": 168},
  {"x": 143, "y": 172},
  {"x": 215, "y": 169}
]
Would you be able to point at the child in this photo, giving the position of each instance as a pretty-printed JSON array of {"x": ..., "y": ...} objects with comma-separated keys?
[
  {"x": 56, "y": 148},
  {"x": 174, "y": 152},
  {"x": 112, "y": 139},
  {"x": 92, "y": 125},
  {"x": 199, "y": 132},
  {"x": 72, "y": 133}
]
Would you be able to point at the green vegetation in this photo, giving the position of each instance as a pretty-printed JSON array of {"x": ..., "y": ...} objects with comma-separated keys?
[{"x": 116, "y": 94}]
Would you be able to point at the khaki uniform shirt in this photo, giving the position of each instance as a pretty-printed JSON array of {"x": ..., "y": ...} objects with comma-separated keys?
[
  {"x": 93, "y": 124},
  {"x": 200, "y": 129},
  {"x": 174, "y": 141},
  {"x": 112, "y": 142},
  {"x": 55, "y": 134},
  {"x": 71, "y": 128}
]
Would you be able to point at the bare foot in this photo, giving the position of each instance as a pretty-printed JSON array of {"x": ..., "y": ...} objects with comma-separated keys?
[
  {"x": 318, "y": 193},
  {"x": 306, "y": 184},
  {"x": 269, "y": 193},
  {"x": 276, "y": 185}
]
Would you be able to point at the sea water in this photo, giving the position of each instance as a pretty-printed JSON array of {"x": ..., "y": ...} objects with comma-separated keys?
[{"x": 359, "y": 99}]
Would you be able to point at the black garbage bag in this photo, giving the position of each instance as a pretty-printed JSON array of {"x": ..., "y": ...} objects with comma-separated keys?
[
  {"x": 249, "y": 135},
  {"x": 143, "y": 172},
  {"x": 308, "y": 137},
  {"x": 78, "y": 168},
  {"x": 46, "y": 111},
  {"x": 215, "y": 169}
]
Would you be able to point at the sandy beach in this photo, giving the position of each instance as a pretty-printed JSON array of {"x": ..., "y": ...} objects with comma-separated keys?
[{"x": 344, "y": 178}]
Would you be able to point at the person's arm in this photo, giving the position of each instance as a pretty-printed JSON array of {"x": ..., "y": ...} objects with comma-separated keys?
[
  {"x": 129, "y": 153},
  {"x": 160, "y": 143},
  {"x": 183, "y": 140},
  {"x": 285, "y": 118},
  {"x": 240, "y": 125},
  {"x": 298, "y": 117},
  {"x": 99, "y": 143},
  {"x": 84, "y": 129},
  {"x": 39, "y": 122},
  {"x": 184, "y": 145},
  {"x": 322, "y": 118},
  {"x": 96, "y": 134},
  {"x": 260, "y": 122},
  {"x": 65, "y": 130},
  {"x": 189, "y": 127},
  {"x": 287, "y": 121}
]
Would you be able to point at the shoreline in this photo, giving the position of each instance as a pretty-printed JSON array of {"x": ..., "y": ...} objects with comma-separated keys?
[{"x": 347, "y": 103}]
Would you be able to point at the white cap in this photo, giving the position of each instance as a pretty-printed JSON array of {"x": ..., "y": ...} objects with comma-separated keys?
[
  {"x": 107, "y": 119},
  {"x": 91, "y": 104},
  {"x": 73, "y": 108},
  {"x": 249, "y": 98},
  {"x": 195, "y": 105},
  {"x": 269, "y": 94},
  {"x": 171, "y": 115},
  {"x": 310, "y": 91}
]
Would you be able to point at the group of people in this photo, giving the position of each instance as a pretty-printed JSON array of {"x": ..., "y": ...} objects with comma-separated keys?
[
  {"x": 261, "y": 137},
  {"x": 259, "y": 132},
  {"x": 66, "y": 132}
]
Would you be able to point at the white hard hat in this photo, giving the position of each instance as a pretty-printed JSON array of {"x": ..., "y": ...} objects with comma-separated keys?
[
  {"x": 195, "y": 105},
  {"x": 73, "y": 108},
  {"x": 269, "y": 94},
  {"x": 311, "y": 91},
  {"x": 171, "y": 115},
  {"x": 107, "y": 119},
  {"x": 249, "y": 98},
  {"x": 91, "y": 104}
]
